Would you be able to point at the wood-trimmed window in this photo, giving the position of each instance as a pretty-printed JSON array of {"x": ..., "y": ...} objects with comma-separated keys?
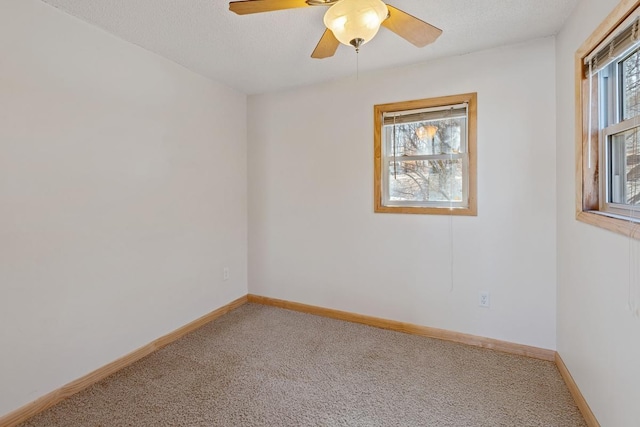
[
  {"x": 425, "y": 156},
  {"x": 608, "y": 123}
]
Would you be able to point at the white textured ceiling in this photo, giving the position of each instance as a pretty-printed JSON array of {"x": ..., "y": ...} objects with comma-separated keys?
[{"x": 271, "y": 51}]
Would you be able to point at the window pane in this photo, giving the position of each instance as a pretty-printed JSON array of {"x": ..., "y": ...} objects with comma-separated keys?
[
  {"x": 630, "y": 86},
  {"x": 426, "y": 180},
  {"x": 443, "y": 136},
  {"x": 624, "y": 176}
]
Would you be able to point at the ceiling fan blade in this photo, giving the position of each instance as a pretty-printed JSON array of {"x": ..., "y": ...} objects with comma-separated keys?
[
  {"x": 257, "y": 6},
  {"x": 410, "y": 28},
  {"x": 327, "y": 46}
]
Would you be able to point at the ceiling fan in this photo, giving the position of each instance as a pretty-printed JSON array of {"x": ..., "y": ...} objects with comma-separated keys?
[{"x": 350, "y": 22}]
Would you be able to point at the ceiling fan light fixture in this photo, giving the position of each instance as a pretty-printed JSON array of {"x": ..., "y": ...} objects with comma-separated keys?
[{"x": 355, "y": 22}]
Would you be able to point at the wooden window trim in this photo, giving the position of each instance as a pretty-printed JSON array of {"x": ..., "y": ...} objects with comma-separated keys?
[
  {"x": 587, "y": 179},
  {"x": 472, "y": 111}
]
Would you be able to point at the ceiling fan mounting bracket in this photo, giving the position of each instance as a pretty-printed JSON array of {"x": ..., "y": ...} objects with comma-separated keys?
[{"x": 321, "y": 2}]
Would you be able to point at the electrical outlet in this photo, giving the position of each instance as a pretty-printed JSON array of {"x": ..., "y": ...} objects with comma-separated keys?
[
  {"x": 225, "y": 273},
  {"x": 484, "y": 300}
]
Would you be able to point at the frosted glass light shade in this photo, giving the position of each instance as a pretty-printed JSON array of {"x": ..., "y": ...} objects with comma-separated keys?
[{"x": 351, "y": 20}]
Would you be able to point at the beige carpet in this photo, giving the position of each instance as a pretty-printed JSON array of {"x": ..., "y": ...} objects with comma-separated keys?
[{"x": 263, "y": 366}]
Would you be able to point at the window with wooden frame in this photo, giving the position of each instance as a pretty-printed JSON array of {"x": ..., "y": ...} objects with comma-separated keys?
[
  {"x": 608, "y": 122},
  {"x": 425, "y": 156}
]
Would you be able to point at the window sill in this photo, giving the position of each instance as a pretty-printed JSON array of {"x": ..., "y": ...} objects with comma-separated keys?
[
  {"x": 426, "y": 211},
  {"x": 612, "y": 222}
]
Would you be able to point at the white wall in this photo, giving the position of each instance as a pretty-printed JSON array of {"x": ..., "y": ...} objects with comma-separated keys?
[
  {"x": 122, "y": 196},
  {"x": 598, "y": 337},
  {"x": 313, "y": 236}
]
